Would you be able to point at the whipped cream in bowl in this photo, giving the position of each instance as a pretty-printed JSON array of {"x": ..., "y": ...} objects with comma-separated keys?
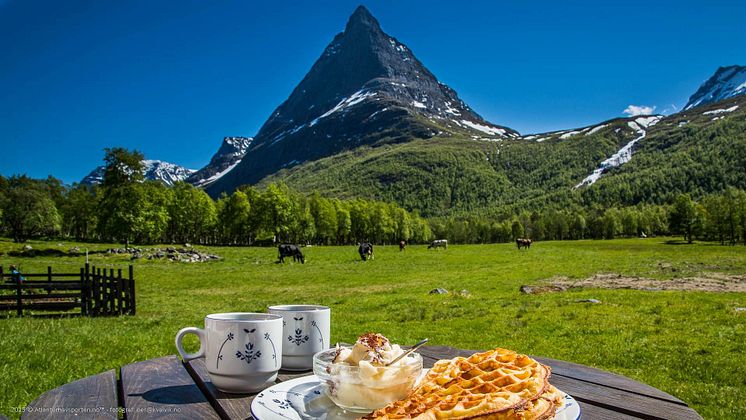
[{"x": 357, "y": 379}]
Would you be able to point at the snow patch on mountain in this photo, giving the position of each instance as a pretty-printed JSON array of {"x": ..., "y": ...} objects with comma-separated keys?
[
  {"x": 721, "y": 111},
  {"x": 648, "y": 122},
  {"x": 354, "y": 99},
  {"x": 451, "y": 110},
  {"x": 217, "y": 176},
  {"x": 624, "y": 154},
  {"x": 570, "y": 134},
  {"x": 596, "y": 129},
  {"x": 484, "y": 128},
  {"x": 633, "y": 125}
]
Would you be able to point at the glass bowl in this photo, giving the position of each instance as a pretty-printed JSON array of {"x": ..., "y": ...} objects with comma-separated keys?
[{"x": 366, "y": 388}]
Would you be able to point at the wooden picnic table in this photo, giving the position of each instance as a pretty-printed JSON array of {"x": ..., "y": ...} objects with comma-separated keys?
[{"x": 166, "y": 387}]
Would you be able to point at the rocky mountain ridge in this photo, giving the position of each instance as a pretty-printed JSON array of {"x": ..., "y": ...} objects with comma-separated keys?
[
  {"x": 230, "y": 153},
  {"x": 154, "y": 170},
  {"x": 727, "y": 82}
]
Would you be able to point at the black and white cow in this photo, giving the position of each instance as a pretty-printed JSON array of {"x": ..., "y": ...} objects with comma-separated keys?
[
  {"x": 365, "y": 250},
  {"x": 438, "y": 243},
  {"x": 523, "y": 242},
  {"x": 290, "y": 250}
]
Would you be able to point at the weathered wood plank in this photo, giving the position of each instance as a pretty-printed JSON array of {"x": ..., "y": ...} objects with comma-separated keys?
[
  {"x": 230, "y": 406},
  {"x": 43, "y": 296},
  {"x": 55, "y": 285},
  {"x": 623, "y": 401},
  {"x": 46, "y": 275},
  {"x": 162, "y": 388},
  {"x": 601, "y": 377},
  {"x": 94, "y": 397},
  {"x": 443, "y": 352},
  {"x": 593, "y": 412},
  {"x": 41, "y": 306}
]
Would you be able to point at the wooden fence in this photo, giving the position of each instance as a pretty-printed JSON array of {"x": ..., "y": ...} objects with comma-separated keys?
[{"x": 96, "y": 291}]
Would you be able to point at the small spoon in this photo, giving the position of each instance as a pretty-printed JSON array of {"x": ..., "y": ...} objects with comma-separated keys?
[{"x": 401, "y": 356}]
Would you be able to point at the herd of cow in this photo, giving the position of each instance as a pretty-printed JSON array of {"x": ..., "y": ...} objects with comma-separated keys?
[{"x": 365, "y": 249}]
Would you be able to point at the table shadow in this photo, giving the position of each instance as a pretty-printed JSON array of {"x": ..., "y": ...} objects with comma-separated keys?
[{"x": 177, "y": 395}]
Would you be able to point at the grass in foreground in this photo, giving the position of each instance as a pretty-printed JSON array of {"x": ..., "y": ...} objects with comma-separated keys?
[{"x": 689, "y": 344}]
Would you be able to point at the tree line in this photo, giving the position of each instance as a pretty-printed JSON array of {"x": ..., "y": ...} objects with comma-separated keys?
[
  {"x": 127, "y": 209},
  {"x": 716, "y": 217}
]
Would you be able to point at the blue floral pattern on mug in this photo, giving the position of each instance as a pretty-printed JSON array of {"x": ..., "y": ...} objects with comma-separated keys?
[
  {"x": 274, "y": 352},
  {"x": 299, "y": 337},
  {"x": 220, "y": 356},
  {"x": 249, "y": 354},
  {"x": 321, "y": 336}
]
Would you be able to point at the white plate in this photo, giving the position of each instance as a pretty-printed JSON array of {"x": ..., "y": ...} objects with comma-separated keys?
[{"x": 303, "y": 398}]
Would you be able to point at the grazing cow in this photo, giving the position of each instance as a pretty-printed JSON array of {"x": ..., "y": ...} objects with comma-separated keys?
[
  {"x": 523, "y": 242},
  {"x": 289, "y": 250},
  {"x": 365, "y": 250},
  {"x": 402, "y": 245},
  {"x": 438, "y": 243}
]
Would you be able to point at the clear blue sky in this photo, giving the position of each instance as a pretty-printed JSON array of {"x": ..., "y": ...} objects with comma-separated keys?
[{"x": 171, "y": 79}]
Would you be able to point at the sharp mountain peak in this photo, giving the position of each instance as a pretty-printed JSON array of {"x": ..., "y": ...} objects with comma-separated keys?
[
  {"x": 366, "y": 88},
  {"x": 361, "y": 18}
]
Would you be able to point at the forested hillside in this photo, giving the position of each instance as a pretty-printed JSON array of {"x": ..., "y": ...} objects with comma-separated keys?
[
  {"x": 700, "y": 151},
  {"x": 697, "y": 152}
]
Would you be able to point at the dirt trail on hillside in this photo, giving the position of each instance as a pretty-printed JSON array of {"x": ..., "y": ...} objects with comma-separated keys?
[{"x": 703, "y": 282}]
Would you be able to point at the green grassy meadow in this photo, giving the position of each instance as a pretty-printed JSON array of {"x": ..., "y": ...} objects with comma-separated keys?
[{"x": 689, "y": 344}]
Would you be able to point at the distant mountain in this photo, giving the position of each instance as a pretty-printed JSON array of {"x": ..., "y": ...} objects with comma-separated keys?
[
  {"x": 155, "y": 170},
  {"x": 367, "y": 88},
  {"x": 230, "y": 153},
  {"x": 727, "y": 82}
]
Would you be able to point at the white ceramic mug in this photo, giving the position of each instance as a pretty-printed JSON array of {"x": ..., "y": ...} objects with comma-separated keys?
[
  {"x": 306, "y": 332},
  {"x": 242, "y": 350}
]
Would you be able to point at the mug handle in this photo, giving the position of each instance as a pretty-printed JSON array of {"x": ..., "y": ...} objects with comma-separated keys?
[{"x": 200, "y": 333}]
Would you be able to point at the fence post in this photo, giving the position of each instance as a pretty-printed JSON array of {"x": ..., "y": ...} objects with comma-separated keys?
[
  {"x": 102, "y": 288},
  {"x": 49, "y": 279},
  {"x": 19, "y": 301},
  {"x": 83, "y": 293},
  {"x": 109, "y": 292},
  {"x": 89, "y": 288},
  {"x": 132, "y": 291},
  {"x": 120, "y": 292},
  {"x": 94, "y": 292},
  {"x": 101, "y": 298},
  {"x": 100, "y": 291},
  {"x": 112, "y": 292}
]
